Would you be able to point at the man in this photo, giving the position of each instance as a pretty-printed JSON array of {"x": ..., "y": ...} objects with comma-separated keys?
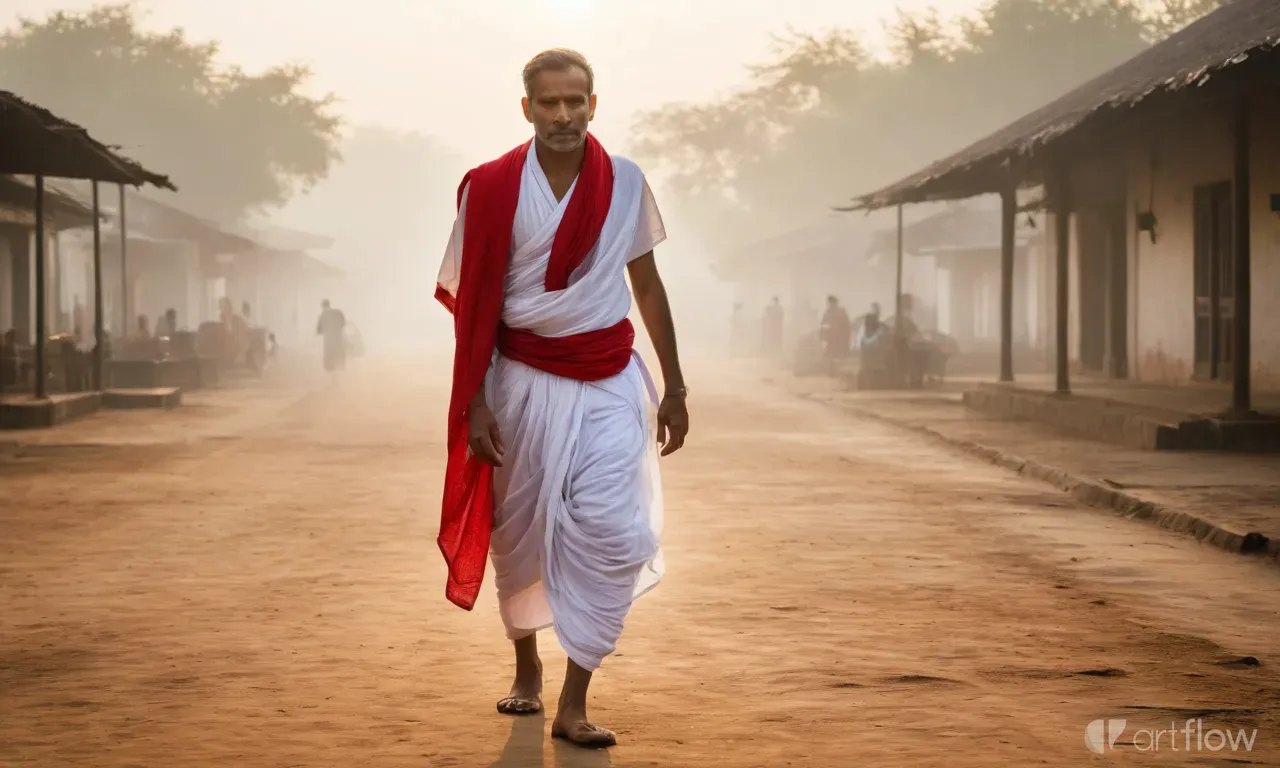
[
  {"x": 871, "y": 330},
  {"x": 552, "y": 460},
  {"x": 772, "y": 331},
  {"x": 168, "y": 324},
  {"x": 332, "y": 327},
  {"x": 836, "y": 332}
]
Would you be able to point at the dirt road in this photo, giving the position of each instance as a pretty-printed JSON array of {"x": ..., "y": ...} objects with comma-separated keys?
[{"x": 838, "y": 593}]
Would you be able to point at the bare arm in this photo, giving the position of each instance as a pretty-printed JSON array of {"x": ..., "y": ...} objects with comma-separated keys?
[
  {"x": 651, "y": 296},
  {"x": 655, "y": 310}
]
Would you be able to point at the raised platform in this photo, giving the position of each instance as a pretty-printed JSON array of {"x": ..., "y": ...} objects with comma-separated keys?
[
  {"x": 148, "y": 397},
  {"x": 188, "y": 374},
  {"x": 1126, "y": 421},
  {"x": 26, "y": 412}
]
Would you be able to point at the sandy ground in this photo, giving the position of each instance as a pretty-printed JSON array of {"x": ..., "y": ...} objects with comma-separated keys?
[{"x": 838, "y": 593}]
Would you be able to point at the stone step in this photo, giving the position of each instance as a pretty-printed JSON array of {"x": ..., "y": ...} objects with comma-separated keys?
[
  {"x": 1128, "y": 424},
  {"x": 30, "y": 413},
  {"x": 143, "y": 397}
]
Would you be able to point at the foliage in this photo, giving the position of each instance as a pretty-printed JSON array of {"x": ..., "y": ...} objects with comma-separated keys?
[
  {"x": 825, "y": 120},
  {"x": 233, "y": 142}
]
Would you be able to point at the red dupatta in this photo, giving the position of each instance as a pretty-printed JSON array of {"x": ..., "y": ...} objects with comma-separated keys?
[{"x": 466, "y": 516}]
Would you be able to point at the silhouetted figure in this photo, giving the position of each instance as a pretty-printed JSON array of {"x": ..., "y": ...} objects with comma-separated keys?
[
  {"x": 836, "y": 333},
  {"x": 771, "y": 332},
  {"x": 332, "y": 327}
]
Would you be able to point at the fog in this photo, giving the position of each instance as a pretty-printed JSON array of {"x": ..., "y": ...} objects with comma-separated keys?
[{"x": 752, "y": 119}]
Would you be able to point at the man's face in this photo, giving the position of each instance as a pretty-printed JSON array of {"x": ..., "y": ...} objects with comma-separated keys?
[{"x": 560, "y": 108}]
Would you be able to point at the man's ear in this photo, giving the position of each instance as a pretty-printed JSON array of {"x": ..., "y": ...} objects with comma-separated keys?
[
  {"x": 526, "y": 108},
  {"x": 592, "y": 101}
]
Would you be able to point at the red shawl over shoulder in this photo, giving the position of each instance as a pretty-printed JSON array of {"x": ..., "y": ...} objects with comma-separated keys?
[{"x": 466, "y": 517}]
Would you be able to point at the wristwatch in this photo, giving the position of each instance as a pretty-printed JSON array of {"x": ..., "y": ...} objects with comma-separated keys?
[{"x": 681, "y": 392}]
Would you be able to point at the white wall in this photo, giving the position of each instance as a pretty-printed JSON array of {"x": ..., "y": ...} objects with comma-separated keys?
[{"x": 1197, "y": 150}]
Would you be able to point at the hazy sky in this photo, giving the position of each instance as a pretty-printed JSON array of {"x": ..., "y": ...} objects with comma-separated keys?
[{"x": 450, "y": 68}]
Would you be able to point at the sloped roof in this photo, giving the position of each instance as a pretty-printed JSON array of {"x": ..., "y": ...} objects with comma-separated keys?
[
  {"x": 36, "y": 142},
  {"x": 19, "y": 195},
  {"x": 284, "y": 238},
  {"x": 168, "y": 221},
  {"x": 971, "y": 226},
  {"x": 307, "y": 263},
  {"x": 1226, "y": 38},
  {"x": 832, "y": 232}
]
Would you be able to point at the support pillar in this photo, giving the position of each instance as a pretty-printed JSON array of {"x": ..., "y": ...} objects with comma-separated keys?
[
  {"x": 99, "y": 333},
  {"x": 42, "y": 310},
  {"x": 1008, "y": 223},
  {"x": 1061, "y": 196},
  {"x": 126, "y": 326},
  {"x": 899, "y": 341},
  {"x": 1242, "y": 354}
]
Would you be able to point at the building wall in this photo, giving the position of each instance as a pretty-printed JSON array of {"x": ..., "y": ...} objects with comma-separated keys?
[{"x": 1162, "y": 175}]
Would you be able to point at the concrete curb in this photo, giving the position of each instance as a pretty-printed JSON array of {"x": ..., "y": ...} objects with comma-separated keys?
[{"x": 1097, "y": 493}]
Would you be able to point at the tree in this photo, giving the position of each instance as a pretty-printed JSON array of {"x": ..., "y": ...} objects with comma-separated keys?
[
  {"x": 390, "y": 207},
  {"x": 1173, "y": 15},
  {"x": 233, "y": 142},
  {"x": 824, "y": 121}
]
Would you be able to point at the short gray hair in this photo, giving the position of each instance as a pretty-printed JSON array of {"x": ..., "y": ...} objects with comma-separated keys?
[{"x": 557, "y": 60}]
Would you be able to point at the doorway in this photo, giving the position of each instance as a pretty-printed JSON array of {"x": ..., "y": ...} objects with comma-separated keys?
[
  {"x": 1214, "y": 282},
  {"x": 1103, "y": 290}
]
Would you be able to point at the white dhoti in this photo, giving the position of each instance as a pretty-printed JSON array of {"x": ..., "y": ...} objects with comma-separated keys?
[{"x": 578, "y": 502}]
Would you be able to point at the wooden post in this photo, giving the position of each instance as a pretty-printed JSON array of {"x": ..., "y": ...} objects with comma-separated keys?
[
  {"x": 99, "y": 333},
  {"x": 1008, "y": 224},
  {"x": 1242, "y": 358},
  {"x": 1062, "y": 231},
  {"x": 899, "y": 342},
  {"x": 42, "y": 332},
  {"x": 124, "y": 268}
]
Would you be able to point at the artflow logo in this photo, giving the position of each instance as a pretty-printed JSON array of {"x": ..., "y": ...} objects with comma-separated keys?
[{"x": 1102, "y": 735}]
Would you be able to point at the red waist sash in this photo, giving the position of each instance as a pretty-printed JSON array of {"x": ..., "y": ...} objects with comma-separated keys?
[{"x": 589, "y": 356}]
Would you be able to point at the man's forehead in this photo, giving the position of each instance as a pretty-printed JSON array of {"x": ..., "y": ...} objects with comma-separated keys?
[{"x": 560, "y": 82}]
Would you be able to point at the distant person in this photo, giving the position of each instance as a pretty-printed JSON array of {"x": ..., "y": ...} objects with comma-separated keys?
[
  {"x": 79, "y": 319},
  {"x": 836, "y": 332},
  {"x": 227, "y": 344},
  {"x": 332, "y": 327},
  {"x": 771, "y": 333},
  {"x": 168, "y": 324},
  {"x": 872, "y": 330},
  {"x": 143, "y": 329},
  {"x": 860, "y": 324}
]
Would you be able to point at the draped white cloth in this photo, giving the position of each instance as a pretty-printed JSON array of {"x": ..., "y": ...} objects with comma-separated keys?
[{"x": 578, "y": 504}]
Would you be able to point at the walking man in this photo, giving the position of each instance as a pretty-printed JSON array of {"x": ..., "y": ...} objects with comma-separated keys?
[
  {"x": 331, "y": 327},
  {"x": 552, "y": 453}
]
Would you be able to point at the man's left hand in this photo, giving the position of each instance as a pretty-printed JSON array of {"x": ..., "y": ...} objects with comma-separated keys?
[{"x": 673, "y": 423}]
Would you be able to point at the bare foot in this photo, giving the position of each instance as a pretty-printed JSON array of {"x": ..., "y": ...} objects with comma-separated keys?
[
  {"x": 526, "y": 692},
  {"x": 575, "y": 729}
]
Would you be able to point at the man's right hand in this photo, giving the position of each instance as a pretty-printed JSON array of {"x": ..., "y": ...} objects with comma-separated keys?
[{"x": 485, "y": 441}]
